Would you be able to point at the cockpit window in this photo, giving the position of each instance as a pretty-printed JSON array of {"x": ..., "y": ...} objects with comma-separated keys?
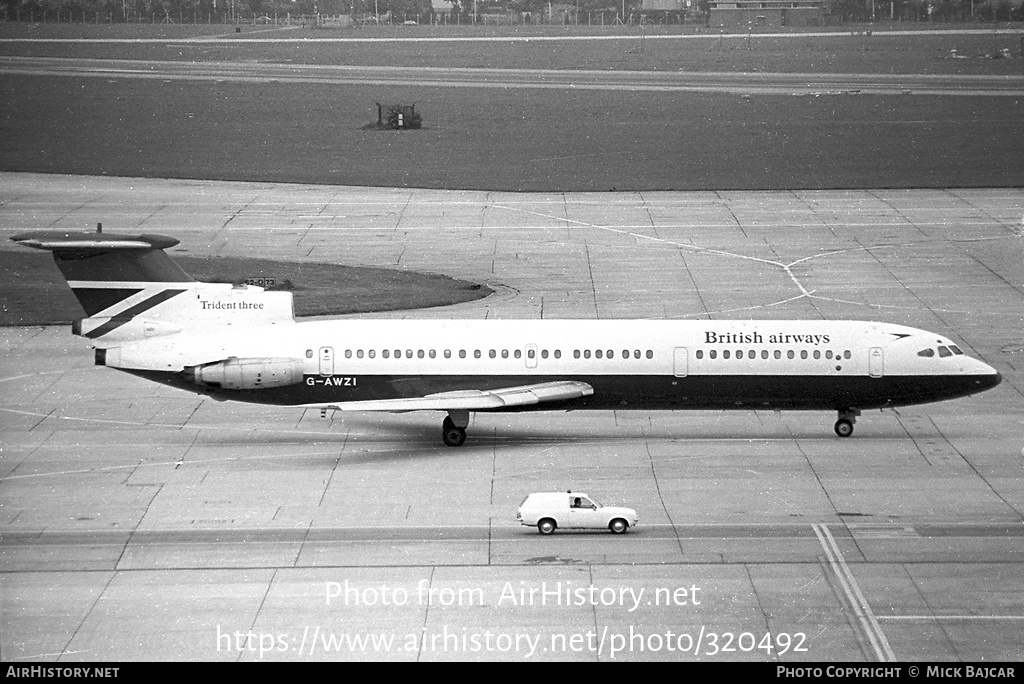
[
  {"x": 944, "y": 352},
  {"x": 926, "y": 352},
  {"x": 955, "y": 349}
]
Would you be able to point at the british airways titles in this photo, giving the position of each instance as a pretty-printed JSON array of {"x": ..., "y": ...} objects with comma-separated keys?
[{"x": 757, "y": 338}]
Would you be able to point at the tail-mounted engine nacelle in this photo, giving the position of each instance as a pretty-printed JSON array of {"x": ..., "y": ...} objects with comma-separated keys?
[{"x": 239, "y": 374}]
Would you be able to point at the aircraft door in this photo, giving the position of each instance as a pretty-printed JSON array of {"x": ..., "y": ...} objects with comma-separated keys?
[
  {"x": 876, "y": 362},
  {"x": 326, "y": 361},
  {"x": 680, "y": 362},
  {"x": 531, "y": 356}
]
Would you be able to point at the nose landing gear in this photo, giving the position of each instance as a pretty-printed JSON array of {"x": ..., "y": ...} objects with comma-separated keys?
[{"x": 844, "y": 426}]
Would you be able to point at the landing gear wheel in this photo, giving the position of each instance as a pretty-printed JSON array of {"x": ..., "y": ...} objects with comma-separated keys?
[
  {"x": 546, "y": 526},
  {"x": 618, "y": 526},
  {"x": 844, "y": 427},
  {"x": 452, "y": 436}
]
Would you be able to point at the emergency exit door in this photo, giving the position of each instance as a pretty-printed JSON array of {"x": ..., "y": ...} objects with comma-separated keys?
[
  {"x": 680, "y": 362},
  {"x": 326, "y": 361}
]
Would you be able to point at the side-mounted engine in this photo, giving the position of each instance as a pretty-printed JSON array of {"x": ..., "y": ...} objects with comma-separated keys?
[{"x": 247, "y": 374}]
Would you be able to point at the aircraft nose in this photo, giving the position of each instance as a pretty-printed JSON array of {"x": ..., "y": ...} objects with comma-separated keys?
[{"x": 988, "y": 380}]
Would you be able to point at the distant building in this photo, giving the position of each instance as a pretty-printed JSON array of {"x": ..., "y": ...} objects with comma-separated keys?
[
  {"x": 732, "y": 13},
  {"x": 668, "y": 5},
  {"x": 441, "y": 6}
]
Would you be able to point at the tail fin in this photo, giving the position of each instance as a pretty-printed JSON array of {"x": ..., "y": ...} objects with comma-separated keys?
[
  {"x": 104, "y": 270},
  {"x": 130, "y": 289}
]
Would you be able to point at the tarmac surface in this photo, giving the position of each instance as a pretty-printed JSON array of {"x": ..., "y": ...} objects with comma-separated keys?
[{"x": 139, "y": 522}]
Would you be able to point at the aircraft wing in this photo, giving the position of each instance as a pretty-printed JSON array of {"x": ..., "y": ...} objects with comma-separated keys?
[{"x": 470, "y": 400}]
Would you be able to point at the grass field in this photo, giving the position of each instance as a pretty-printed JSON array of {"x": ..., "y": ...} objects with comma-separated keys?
[{"x": 516, "y": 140}]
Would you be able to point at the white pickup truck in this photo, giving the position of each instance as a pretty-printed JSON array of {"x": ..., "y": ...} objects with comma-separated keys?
[{"x": 570, "y": 510}]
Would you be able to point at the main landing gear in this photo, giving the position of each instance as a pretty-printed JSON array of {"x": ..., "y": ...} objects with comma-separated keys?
[
  {"x": 453, "y": 428},
  {"x": 844, "y": 426}
]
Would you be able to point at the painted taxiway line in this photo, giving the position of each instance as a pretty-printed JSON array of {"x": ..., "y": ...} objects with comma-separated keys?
[
  {"x": 460, "y": 77},
  {"x": 854, "y": 596}
]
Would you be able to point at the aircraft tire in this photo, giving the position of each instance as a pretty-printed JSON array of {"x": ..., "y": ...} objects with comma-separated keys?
[
  {"x": 844, "y": 427},
  {"x": 453, "y": 436}
]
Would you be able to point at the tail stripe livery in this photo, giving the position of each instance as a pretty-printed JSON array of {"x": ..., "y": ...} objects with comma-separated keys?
[{"x": 131, "y": 312}]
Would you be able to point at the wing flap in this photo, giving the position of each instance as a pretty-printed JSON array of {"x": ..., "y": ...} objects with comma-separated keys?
[{"x": 470, "y": 400}]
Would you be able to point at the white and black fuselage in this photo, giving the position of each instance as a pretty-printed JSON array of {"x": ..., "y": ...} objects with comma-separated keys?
[
  {"x": 660, "y": 365},
  {"x": 149, "y": 318}
]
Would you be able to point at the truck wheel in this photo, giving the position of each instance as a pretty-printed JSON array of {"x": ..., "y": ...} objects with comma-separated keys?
[
  {"x": 546, "y": 526},
  {"x": 618, "y": 526}
]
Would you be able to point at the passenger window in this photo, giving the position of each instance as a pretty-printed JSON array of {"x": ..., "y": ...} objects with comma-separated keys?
[
  {"x": 611, "y": 354},
  {"x": 530, "y": 353},
  {"x": 846, "y": 354},
  {"x": 476, "y": 353},
  {"x": 543, "y": 353},
  {"x": 764, "y": 353},
  {"x": 447, "y": 353},
  {"x": 576, "y": 353},
  {"x": 420, "y": 354},
  {"x": 636, "y": 353},
  {"x": 386, "y": 354},
  {"x": 713, "y": 353},
  {"x": 558, "y": 353},
  {"x": 309, "y": 353},
  {"x": 650, "y": 354},
  {"x": 398, "y": 353},
  {"x": 790, "y": 354},
  {"x": 598, "y": 354},
  {"x": 348, "y": 353},
  {"x": 700, "y": 354},
  {"x": 625, "y": 353},
  {"x": 739, "y": 353},
  {"x": 504, "y": 353},
  {"x": 725, "y": 353},
  {"x": 943, "y": 352},
  {"x": 433, "y": 354},
  {"x": 803, "y": 353},
  {"x": 778, "y": 354},
  {"x": 372, "y": 353},
  {"x": 828, "y": 354},
  {"x": 817, "y": 354},
  {"x": 751, "y": 354},
  {"x": 359, "y": 354},
  {"x": 586, "y": 353},
  {"x": 518, "y": 353},
  {"x": 462, "y": 353},
  {"x": 493, "y": 354},
  {"x": 408, "y": 353}
]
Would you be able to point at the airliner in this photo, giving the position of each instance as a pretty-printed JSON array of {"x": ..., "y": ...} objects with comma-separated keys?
[{"x": 147, "y": 317}]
